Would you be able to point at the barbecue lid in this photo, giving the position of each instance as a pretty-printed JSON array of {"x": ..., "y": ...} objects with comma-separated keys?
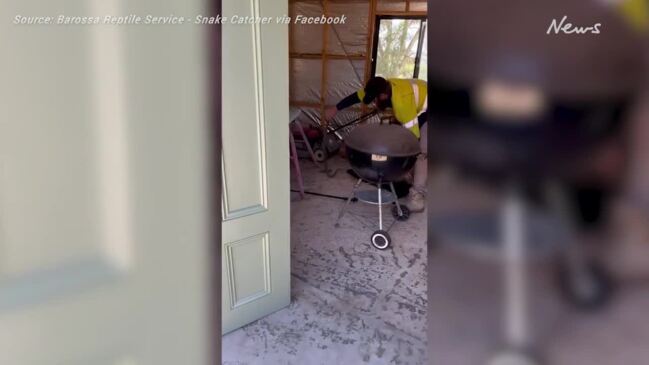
[{"x": 383, "y": 139}]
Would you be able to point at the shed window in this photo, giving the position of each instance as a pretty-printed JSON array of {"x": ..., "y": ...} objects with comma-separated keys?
[{"x": 400, "y": 49}]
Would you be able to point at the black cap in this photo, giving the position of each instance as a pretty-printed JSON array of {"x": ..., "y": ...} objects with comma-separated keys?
[{"x": 374, "y": 87}]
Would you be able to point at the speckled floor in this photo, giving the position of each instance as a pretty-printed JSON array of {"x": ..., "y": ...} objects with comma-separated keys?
[
  {"x": 466, "y": 293},
  {"x": 351, "y": 303}
]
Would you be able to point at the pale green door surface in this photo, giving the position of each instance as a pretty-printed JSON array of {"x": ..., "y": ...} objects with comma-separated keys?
[
  {"x": 103, "y": 188},
  {"x": 256, "y": 246}
]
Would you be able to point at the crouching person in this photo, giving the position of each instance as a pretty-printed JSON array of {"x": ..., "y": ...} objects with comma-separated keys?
[{"x": 408, "y": 100}]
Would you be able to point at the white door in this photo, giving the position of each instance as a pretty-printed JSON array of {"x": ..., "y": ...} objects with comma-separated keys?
[
  {"x": 256, "y": 249},
  {"x": 103, "y": 240}
]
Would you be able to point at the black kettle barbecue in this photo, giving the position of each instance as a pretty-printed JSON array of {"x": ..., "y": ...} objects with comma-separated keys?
[{"x": 380, "y": 154}]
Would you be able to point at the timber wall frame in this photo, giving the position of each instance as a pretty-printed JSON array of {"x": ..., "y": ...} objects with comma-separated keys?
[{"x": 324, "y": 55}]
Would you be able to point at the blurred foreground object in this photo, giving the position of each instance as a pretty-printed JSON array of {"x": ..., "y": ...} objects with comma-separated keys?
[
  {"x": 104, "y": 192},
  {"x": 539, "y": 116},
  {"x": 636, "y": 13}
]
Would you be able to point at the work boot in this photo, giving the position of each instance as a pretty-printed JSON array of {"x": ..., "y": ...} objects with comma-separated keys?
[{"x": 416, "y": 201}]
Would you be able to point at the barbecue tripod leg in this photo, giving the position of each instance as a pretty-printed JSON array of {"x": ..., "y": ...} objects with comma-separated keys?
[
  {"x": 396, "y": 200},
  {"x": 378, "y": 189},
  {"x": 575, "y": 256},
  {"x": 349, "y": 199},
  {"x": 583, "y": 281},
  {"x": 515, "y": 271}
]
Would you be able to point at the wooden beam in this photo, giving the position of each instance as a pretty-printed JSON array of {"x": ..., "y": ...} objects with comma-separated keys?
[
  {"x": 407, "y": 6},
  {"x": 403, "y": 13},
  {"x": 325, "y": 40},
  {"x": 371, "y": 19},
  {"x": 330, "y": 56},
  {"x": 371, "y": 26}
]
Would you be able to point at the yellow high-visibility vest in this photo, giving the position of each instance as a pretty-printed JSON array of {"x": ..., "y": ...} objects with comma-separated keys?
[
  {"x": 404, "y": 106},
  {"x": 636, "y": 13}
]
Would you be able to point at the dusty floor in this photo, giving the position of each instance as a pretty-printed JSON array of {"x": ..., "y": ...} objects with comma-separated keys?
[
  {"x": 466, "y": 311},
  {"x": 465, "y": 294},
  {"x": 351, "y": 303}
]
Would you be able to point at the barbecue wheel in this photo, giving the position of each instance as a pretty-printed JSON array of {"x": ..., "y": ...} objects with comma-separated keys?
[
  {"x": 405, "y": 213},
  {"x": 319, "y": 154},
  {"x": 588, "y": 289},
  {"x": 381, "y": 239}
]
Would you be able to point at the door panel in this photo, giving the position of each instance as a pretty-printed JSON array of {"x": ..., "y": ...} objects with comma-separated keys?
[
  {"x": 103, "y": 193},
  {"x": 256, "y": 246},
  {"x": 252, "y": 251}
]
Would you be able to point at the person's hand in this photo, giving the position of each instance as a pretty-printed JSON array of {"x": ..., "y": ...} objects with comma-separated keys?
[{"x": 330, "y": 112}]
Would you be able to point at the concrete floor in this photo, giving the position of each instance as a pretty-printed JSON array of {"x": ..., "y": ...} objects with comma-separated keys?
[
  {"x": 351, "y": 303},
  {"x": 354, "y": 304},
  {"x": 465, "y": 293},
  {"x": 466, "y": 312}
]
